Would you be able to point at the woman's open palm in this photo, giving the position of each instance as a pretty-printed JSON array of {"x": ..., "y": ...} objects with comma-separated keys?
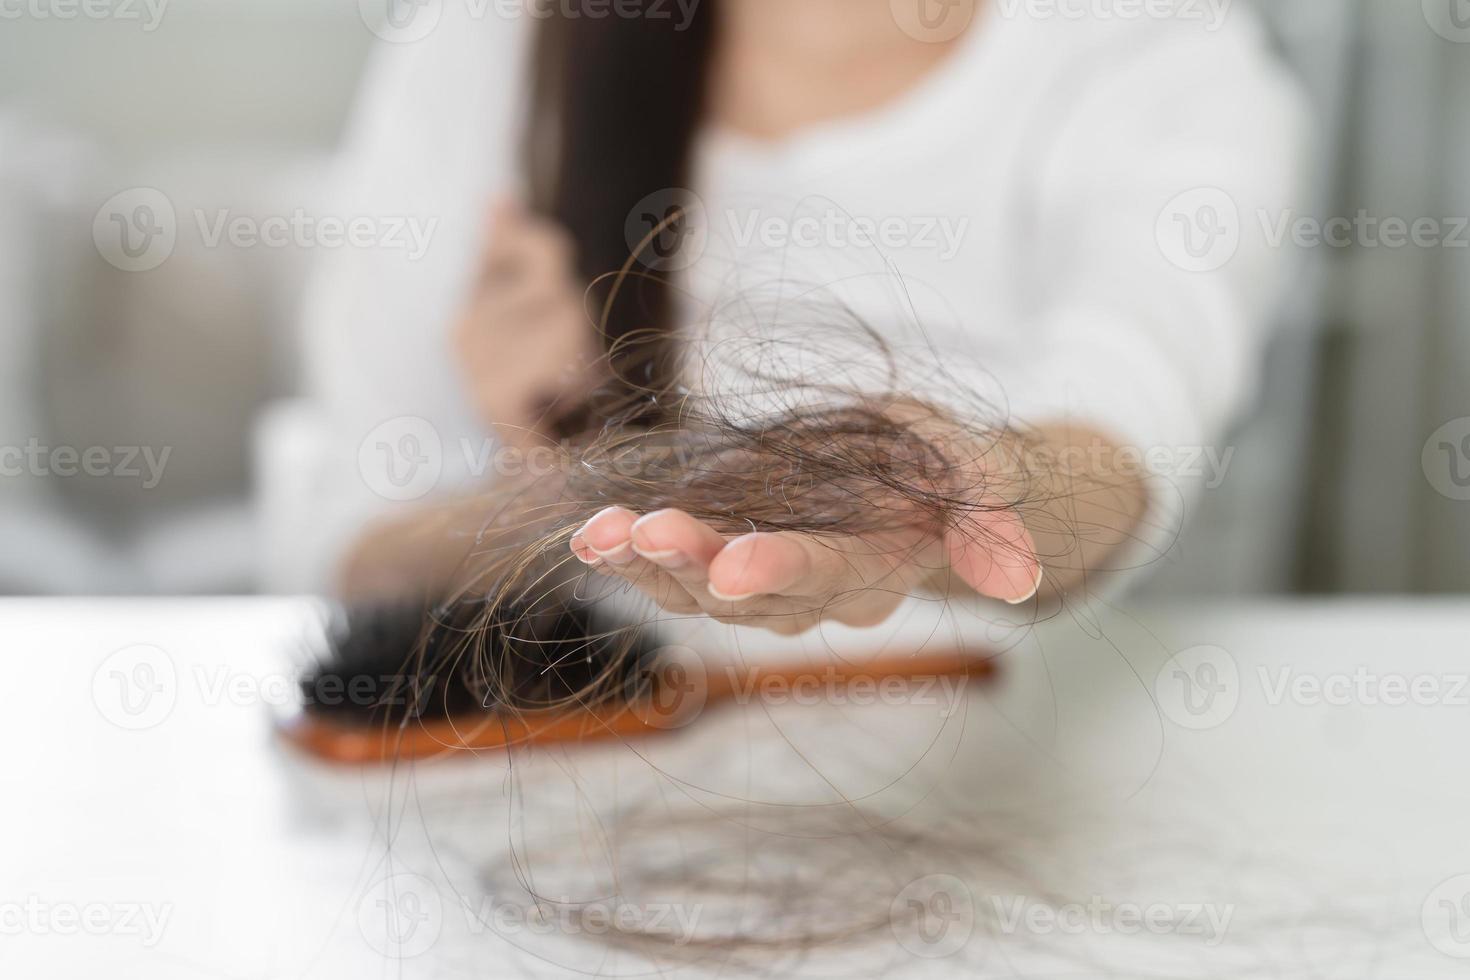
[{"x": 789, "y": 582}]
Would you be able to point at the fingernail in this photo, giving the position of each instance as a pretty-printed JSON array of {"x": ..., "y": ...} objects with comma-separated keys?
[
  {"x": 730, "y": 598},
  {"x": 670, "y": 558},
  {"x": 1035, "y": 588},
  {"x": 620, "y": 555},
  {"x": 578, "y": 547}
]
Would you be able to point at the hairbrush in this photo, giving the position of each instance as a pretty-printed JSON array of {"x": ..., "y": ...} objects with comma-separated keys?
[{"x": 394, "y": 683}]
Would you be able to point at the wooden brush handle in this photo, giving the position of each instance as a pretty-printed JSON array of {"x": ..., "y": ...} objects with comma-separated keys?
[{"x": 417, "y": 738}]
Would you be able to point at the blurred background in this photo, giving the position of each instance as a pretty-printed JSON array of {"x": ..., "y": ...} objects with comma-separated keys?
[{"x": 1352, "y": 476}]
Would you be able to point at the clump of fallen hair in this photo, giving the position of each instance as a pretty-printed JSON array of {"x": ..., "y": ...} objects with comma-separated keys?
[{"x": 757, "y": 446}]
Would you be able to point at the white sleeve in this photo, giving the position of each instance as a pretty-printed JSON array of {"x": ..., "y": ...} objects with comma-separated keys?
[
  {"x": 1154, "y": 281},
  {"x": 434, "y": 136}
]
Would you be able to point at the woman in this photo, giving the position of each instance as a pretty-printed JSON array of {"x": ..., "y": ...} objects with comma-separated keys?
[{"x": 1083, "y": 168}]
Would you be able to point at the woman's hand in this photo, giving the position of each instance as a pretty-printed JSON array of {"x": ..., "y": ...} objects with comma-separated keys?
[
  {"x": 525, "y": 343},
  {"x": 788, "y": 582}
]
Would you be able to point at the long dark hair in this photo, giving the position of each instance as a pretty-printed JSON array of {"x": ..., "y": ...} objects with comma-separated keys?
[{"x": 615, "y": 103}]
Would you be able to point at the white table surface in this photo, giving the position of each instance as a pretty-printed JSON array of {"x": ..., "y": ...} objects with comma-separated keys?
[{"x": 1324, "y": 834}]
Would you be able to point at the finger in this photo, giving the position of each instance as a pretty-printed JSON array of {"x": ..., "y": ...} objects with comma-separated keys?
[
  {"x": 782, "y": 624},
  {"x": 503, "y": 208},
  {"x": 502, "y": 221},
  {"x": 774, "y": 613},
  {"x": 786, "y": 564},
  {"x": 870, "y": 607},
  {"x": 849, "y": 605},
  {"x": 653, "y": 582},
  {"x": 516, "y": 281},
  {"x": 583, "y": 553},
  {"x": 993, "y": 553},
  {"x": 530, "y": 260},
  {"x": 530, "y": 316},
  {"x": 608, "y": 535},
  {"x": 524, "y": 244},
  {"x": 679, "y": 544},
  {"x": 648, "y": 578}
]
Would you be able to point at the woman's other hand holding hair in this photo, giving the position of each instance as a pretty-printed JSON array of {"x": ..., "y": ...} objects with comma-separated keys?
[{"x": 525, "y": 343}]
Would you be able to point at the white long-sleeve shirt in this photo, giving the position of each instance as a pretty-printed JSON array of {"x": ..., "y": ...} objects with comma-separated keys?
[{"x": 1069, "y": 208}]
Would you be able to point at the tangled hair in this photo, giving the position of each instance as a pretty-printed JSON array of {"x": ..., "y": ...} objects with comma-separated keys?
[
  {"x": 773, "y": 436},
  {"x": 820, "y": 427}
]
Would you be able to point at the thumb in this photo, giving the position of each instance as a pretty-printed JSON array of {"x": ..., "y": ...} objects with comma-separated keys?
[
  {"x": 504, "y": 227},
  {"x": 994, "y": 554}
]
